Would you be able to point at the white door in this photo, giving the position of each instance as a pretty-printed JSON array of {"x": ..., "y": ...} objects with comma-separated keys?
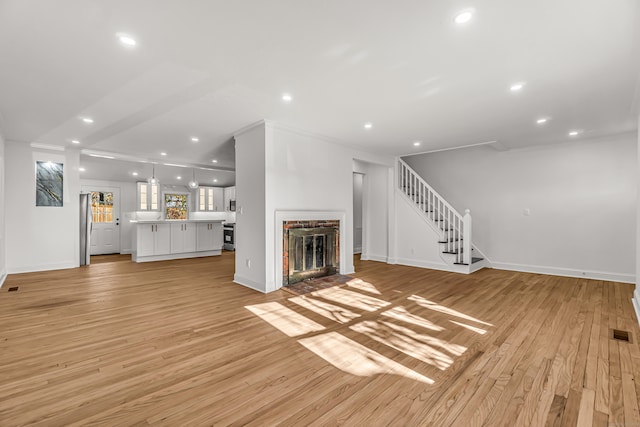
[{"x": 105, "y": 214}]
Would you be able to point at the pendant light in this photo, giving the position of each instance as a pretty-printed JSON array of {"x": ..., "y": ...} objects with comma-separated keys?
[
  {"x": 193, "y": 184},
  {"x": 153, "y": 180}
]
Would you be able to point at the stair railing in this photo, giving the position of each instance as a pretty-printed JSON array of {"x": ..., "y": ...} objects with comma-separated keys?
[{"x": 456, "y": 229}]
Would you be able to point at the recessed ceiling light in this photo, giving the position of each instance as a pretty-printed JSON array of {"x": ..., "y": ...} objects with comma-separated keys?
[
  {"x": 516, "y": 87},
  {"x": 541, "y": 121},
  {"x": 178, "y": 177},
  {"x": 463, "y": 17},
  {"x": 82, "y": 169},
  {"x": 214, "y": 161},
  {"x": 215, "y": 180},
  {"x": 195, "y": 139},
  {"x": 287, "y": 97},
  {"x": 134, "y": 173},
  {"x": 573, "y": 133},
  {"x": 417, "y": 143},
  {"x": 163, "y": 154},
  {"x": 87, "y": 120},
  {"x": 126, "y": 39},
  {"x": 368, "y": 125},
  {"x": 75, "y": 141}
]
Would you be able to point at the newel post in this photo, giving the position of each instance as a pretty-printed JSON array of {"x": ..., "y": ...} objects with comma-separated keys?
[{"x": 466, "y": 237}]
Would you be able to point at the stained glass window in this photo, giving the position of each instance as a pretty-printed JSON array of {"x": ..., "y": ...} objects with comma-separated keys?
[
  {"x": 175, "y": 206},
  {"x": 102, "y": 206}
]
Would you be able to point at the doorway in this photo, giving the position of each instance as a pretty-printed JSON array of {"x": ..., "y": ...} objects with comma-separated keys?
[
  {"x": 105, "y": 216},
  {"x": 358, "y": 190}
]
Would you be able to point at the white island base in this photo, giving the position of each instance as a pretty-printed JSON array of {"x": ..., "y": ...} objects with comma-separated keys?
[{"x": 165, "y": 240}]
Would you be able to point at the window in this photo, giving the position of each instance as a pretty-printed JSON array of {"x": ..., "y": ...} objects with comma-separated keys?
[
  {"x": 206, "y": 199},
  {"x": 148, "y": 197},
  {"x": 175, "y": 206},
  {"x": 102, "y": 206}
]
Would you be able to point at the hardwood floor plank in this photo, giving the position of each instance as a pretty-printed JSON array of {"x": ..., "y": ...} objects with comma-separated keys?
[
  {"x": 554, "y": 417},
  {"x": 585, "y": 413}
]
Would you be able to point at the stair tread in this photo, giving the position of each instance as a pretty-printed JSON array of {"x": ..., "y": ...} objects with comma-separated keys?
[
  {"x": 473, "y": 261},
  {"x": 450, "y": 241}
]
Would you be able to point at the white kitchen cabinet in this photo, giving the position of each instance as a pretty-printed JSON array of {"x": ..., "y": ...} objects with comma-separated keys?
[
  {"x": 183, "y": 237},
  {"x": 209, "y": 236},
  {"x": 229, "y": 194},
  {"x": 153, "y": 239},
  {"x": 210, "y": 199},
  {"x": 164, "y": 240}
]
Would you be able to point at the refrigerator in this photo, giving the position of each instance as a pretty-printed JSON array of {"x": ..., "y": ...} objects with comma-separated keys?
[{"x": 85, "y": 229}]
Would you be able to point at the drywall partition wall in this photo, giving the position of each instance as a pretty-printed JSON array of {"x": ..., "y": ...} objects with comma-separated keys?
[
  {"x": 284, "y": 170},
  {"x": 40, "y": 238},
  {"x": 566, "y": 209},
  {"x": 250, "y": 208},
  {"x": 636, "y": 297},
  {"x": 309, "y": 173},
  {"x": 377, "y": 192},
  {"x": 416, "y": 240},
  {"x": 128, "y": 200},
  {"x": 358, "y": 182},
  {"x": 3, "y": 266}
]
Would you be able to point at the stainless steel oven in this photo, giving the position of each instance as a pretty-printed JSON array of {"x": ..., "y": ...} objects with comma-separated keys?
[{"x": 229, "y": 234}]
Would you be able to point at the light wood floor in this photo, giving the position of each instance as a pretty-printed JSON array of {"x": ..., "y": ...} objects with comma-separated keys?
[{"x": 178, "y": 343}]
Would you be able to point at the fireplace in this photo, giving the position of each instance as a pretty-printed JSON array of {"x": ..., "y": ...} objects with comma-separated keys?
[{"x": 310, "y": 249}]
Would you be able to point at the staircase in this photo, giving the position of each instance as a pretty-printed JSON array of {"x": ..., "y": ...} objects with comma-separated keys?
[{"x": 453, "y": 229}]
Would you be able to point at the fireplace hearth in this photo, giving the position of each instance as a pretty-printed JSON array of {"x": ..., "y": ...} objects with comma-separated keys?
[{"x": 310, "y": 250}]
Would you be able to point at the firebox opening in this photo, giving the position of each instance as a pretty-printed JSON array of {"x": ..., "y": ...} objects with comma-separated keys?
[{"x": 311, "y": 251}]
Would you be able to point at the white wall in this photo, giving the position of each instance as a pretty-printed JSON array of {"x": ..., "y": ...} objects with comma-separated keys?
[
  {"x": 250, "y": 208},
  {"x": 358, "y": 189},
  {"x": 3, "y": 266},
  {"x": 40, "y": 238},
  {"x": 636, "y": 297},
  {"x": 377, "y": 192},
  {"x": 416, "y": 241},
  {"x": 581, "y": 196},
  {"x": 299, "y": 172}
]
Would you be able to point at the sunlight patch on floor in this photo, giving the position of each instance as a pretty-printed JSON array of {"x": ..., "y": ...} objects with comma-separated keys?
[
  {"x": 356, "y": 359},
  {"x": 284, "y": 319},
  {"x": 401, "y": 313},
  {"x": 354, "y": 299},
  {"x": 330, "y": 311},
  {"x": 469, "y": 327},
  {"x": 411, "y": 343},
  {"x": 423, "y": 302},
  {"x": 363, "y": 286}
]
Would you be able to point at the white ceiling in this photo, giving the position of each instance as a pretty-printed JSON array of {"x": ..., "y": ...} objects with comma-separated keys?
[{"x": 208, "y": 68}]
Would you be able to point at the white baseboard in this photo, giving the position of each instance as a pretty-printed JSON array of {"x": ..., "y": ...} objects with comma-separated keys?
[
  {"x": 566, "y": 272},
  {"x": 249, "y": 283},
  {"x": 636, "y": 303},
  {"x": 43, "y": 267},
  {"x": 126, "y": 252},
  {"x": 3, "y": 277},
  {"x": 420, "y": 263},
  {"x": 168, "y": 257},
  {"x": 368, "y": 257}
]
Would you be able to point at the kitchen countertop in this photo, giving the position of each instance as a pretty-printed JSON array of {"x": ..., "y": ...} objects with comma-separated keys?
[{"x": 156, "y": 221}]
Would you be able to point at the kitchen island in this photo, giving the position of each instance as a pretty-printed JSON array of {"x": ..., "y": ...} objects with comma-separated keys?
[{"x": 159, "y": 240}]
